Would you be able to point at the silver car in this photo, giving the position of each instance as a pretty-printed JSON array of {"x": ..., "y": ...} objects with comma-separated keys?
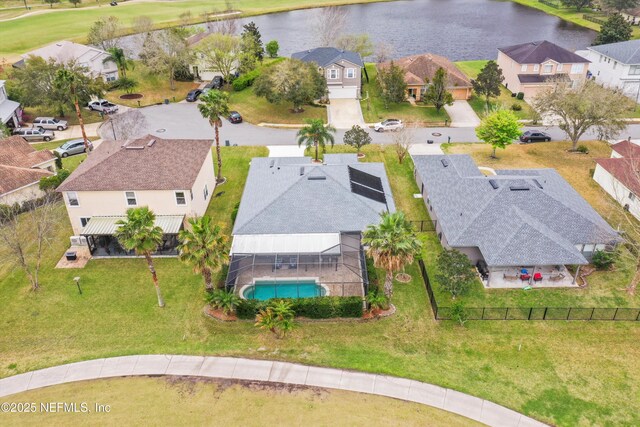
[
  {"x": 103, "y": 106},
  {"x": 71, "y": 147},
  {"x": 389, "y": 124},
  {"x": 50, "y": 123},
  {"x": 35, "y": 134}
]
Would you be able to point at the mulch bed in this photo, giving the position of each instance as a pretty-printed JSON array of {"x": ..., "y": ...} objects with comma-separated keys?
[
  {"x": 218, "y": 314},
  {"x": 131, "y": 96},
  {"x": 368, "y": 315},
  {"x": 403, "y": 278}
]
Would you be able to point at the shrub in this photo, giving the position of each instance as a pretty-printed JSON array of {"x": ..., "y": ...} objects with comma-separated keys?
[
  {"x": 124, "y": 83},
  {"x": 245, "y": 80},
  {"x": 272, "y": 48},
  {"x": 223, "y": 300},
  {"x": 520, "y": 95},
  {"x": 234, "y": 212},
  {"x": 52, "y": 182},
  {"x": 182, "y": 73},
  {"x": 372, "y": 272},
  {"x": 248, "y": 308},
  {"x": 458, "y": 313},
  {"x": 58, "y": 160},
  {"x": 377, "y": 300},
  {"x": 516, "y": 107},
  {"x": 603, "y": 260},
  {"x": 582, "y": 149},
  {"x": 313, "y": 308}
]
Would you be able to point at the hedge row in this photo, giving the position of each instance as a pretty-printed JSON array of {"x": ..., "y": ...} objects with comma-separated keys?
[
  {"x": 313, "y": 308},
  {"x": 245, "y": 80}
]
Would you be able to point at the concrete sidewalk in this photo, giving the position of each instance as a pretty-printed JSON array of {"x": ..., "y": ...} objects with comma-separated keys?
[
  {"x": 91, "y": 129},
  {"x": 279, "y": 372}
]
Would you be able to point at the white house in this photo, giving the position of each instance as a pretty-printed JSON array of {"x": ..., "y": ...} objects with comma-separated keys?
[
  {"x": 21, "y": 168},
  {"x": 616, "y": 65},
  {"x": 619, "y": 176},
  {"x": 174, "y": 178},
  {"x": 96, "y": 60},
  {"x": 9, "y": 110}
]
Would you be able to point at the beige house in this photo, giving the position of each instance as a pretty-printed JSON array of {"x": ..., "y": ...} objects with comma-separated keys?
[
  {"x": 420, "y": 70},
  {"x": 341, "y": 68},
  {"x": 174, "y": 178},
  {"x": 94, "y": 59},
  {"x": 619, "y": 176},
  {"x": 529, "y": 67},
  {"x": 21, "y": 168}
]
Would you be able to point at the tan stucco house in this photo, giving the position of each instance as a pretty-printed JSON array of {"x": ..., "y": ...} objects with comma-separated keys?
[
  {"x": 21, "y": 168},
  {"x": 341, "y": 68},
  {"x": 420, "y": 69},
  {"x": 174, "y": 178},
  {"x": 529, "y": 67}
]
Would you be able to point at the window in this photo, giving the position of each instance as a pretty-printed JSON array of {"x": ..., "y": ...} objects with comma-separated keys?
[
  {"x": 131, "y": 198},
  {"x": 577, "y": 68},
  {"x": 351, "y": 73},
  {"x": 524, "y": 68},
  {"x": 180, "y": 198},
  {"x": 547, "y": 69},
  {"x": 111, "y": 77},
  {"x": 332, "y": 74},
  {"x": 559, "y": 68},
  {"x": 206, "y": 192},
  {"x": 72, "y": 197},
  {"x": 84, "y": 221},
  {"x": 536, "y": 67},
  {"x": 634, "y": 70}
]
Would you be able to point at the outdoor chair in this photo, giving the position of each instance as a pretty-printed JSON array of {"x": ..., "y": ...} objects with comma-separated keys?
[
  {"x": 524, "y": 277},
  {"x": 556, "y": 277},
  {"x": 537, "y": 277}
]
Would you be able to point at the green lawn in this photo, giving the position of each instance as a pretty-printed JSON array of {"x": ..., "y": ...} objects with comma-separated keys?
[
  {"x": 374, "y": 110},
  {"x": 256, "y": 109},
  {"x": 505, "y": 100},
  {"x": 70, "y": 115},
  {"x": 563, "y": 373},
  {"x": 189, "y": 401}
]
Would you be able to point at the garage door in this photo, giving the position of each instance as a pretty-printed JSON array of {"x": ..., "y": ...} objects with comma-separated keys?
[{"x": 350, "y": 92}]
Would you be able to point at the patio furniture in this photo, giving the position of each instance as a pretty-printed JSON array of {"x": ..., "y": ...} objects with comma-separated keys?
[
  {"x": 556, "y": 277},
  {"x": 524, "y": 271},
  {"x": 537, "y": 277},
  {"x": 524, "y": 277},
  {"x": 293, "y": 264},
  {"x": 278, "y": 264},
  {"x": 71, "y": 255},
  {"x": 510, "y": 276}
]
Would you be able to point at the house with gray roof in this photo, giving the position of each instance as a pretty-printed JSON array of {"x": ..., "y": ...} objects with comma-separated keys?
[
  {"x": 616, "y": 65},
  {"x": 512, "y": 221},
  {"x": 341, "y": 68},
  {"x": 298, "y": 228}
]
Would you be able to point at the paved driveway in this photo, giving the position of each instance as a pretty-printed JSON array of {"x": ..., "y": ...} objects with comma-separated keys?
[
  {"x": 344, "y": 113},
  {"x": 462, "y": 115}
]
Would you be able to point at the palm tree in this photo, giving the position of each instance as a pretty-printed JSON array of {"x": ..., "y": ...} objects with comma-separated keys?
[
  {"x": 392, "y": 245},
  {"x": 316, "y": 134},
  {"x": 118, "y": 56},
  {"x": 140, "y": 234},
  {"x": 68, "y": 79},
  {"x": 223, "y": 300},
  {"x": 214, "y": 105},
  {"x": 204, "y": 247}
]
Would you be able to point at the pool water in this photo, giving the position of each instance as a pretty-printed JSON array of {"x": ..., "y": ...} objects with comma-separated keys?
[{"x": 267, "y": 289}]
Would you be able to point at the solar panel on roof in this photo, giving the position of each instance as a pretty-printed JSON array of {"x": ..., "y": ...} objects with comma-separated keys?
[
  {"x": 536, "y": 182},
  {"x": 445, "y": 162},
  {"x": 367, "y": 192},
  {"x": 365, "y": 179},
  {"x": 493, "y": 183}
]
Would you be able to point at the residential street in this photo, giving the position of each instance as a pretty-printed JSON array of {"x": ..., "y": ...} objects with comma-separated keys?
[{"x": 184, "y": 121}]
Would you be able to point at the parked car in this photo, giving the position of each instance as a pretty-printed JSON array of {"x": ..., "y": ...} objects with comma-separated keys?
[
  {"x": 69, "y": 148},
  {"x": 103, "y": 106},
  {"x": 534, "y": 135},
  {"x": 389, "y": 124},
  {"x": 207, "y": 88},
  {"x": 235, "y": 117},
  {"x": 50, "y": 123},
  {"x": 217, "y": 82},
  {"x": 193, "y": 95},
  {"x": 35, "y": 134}
]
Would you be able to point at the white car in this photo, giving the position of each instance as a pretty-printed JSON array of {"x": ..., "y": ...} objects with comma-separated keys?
[
  {"x": 103, "y": 106},
  {"x": 389, "y": 124}
]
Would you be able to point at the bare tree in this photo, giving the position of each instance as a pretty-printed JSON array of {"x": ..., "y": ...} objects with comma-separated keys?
[
  {"x": 164, "y": 51},
  {"x": 23, "y": 236},
  {"x": 403, "y": 140},
  {"x": 104, "y": 32},
  {"x": 383, "y": 52},
  {"x": 360, "y": 43},
  {"x": 223, "y": 26},
  {"x": 329, "y": 24},
  {"x": 143, "y": 25},
  {"x": 130, "y": 124},
  {"x": 220, "y": 52}
]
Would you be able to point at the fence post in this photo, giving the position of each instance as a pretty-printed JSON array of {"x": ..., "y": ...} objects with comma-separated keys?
[
  {"x": 482, "y": 313},
  {"x": 506, "y": 313},
  {"x": 592, "y": 311},
  {"x": 544, "y": 316},
  {"x": 530, "y": 311},
  {"x": 615, "y": 313},
  {"x": 638, "y": 316},
  {"x": 569, "y": 313}
]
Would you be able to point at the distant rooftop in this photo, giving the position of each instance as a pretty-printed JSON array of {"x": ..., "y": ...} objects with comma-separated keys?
[
  {"x": 18, "y": 161},
  {"x": 625, "y": 52},
  {"x": 324, "y": 56},
  {"x": 540, "y": 51}
]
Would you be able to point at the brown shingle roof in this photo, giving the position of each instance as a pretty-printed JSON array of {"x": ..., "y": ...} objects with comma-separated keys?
[
  {"x": 540, "y": 51},
  {"x": 625, "y": 170},
  {"x": 147, "y": 163},
  {"x": 18, "y": 161},
  {"x": 419, "y": 69},
  {"x": 627, "y": 149}
]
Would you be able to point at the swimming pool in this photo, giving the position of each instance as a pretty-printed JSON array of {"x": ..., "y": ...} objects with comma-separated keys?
[{"x": 267, "y": 289}]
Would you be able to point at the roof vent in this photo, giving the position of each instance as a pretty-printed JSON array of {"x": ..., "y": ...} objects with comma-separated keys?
[
  {"x": 301, "y": 170},
  {"x": 519, "y": 187},
  {"x": 493, "y": 183},
  {"x": 134, "y": 147},
  {"x": 536, "y": 182},
  {"x": 445, "y": 162},
  {"x": 150, "y": 143},
  {"x": 317, "y": 178}
]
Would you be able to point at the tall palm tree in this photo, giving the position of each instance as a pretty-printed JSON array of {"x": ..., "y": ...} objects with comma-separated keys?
[
  {"x": 118, "y": 56},
  {"x": 69, "y": 80},
  {"x": 204, "y": 247},
  {"x": 215, "y": 104},
  {"x": 315, "y": 134},
  {"x": 140, "y": 234},
  {"x": 392, "y": 245}
]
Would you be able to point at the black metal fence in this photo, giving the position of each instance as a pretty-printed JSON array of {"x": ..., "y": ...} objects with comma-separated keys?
[
  {"x": 592, "y": 19},
  {"x": 549, "y": 3},
  {"x": 529, "y": 313},
  {"x": 422, "y": 225}
]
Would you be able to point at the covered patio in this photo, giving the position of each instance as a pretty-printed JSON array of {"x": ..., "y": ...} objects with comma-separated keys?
[
  {"x": 546, "y": 276},
  {"x": 100, "y": 234}
]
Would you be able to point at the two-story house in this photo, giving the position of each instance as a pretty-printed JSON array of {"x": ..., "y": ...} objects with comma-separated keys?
[
  {"x": 94, "y": 59},
  {"x": 9, "y": 110},
  {"x": 21, "y": 168},
  {"x": 174, "y": 178},
  {"x": 620, "y": 177},
  {"x": 616, "y": 65},
  {"x": 531, "y": 67},
  {"x": 341, "y": 68}
]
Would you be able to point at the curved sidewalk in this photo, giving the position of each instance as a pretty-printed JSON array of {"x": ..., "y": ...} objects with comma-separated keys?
[{"x": 277, "y": 372}]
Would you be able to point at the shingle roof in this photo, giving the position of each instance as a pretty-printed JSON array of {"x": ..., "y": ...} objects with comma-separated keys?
[
  {"x": 279, "y": 197},
  {"x": 324, "y": 56},
  {"x": 18, "y": 161},
  {"x": 540, "y": 51},
  {"x": 625, "y": 169},
  {"x": 536, "y": 226},
  {"x": 626, "y": 52},
  {"x": 627, "y": 148},
  {"x": 419, "y": 69},
  {"x": 166, "y": 164}
]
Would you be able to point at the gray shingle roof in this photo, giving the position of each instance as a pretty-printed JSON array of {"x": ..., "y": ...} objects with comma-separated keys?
[
  {"x": 626, "y": 52},
  {"x": 324, "y": 56},
  {"x": 277, "y": 199},
  {"x": 539, "y": 51},
  {"x": 537, "y": 226}
]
